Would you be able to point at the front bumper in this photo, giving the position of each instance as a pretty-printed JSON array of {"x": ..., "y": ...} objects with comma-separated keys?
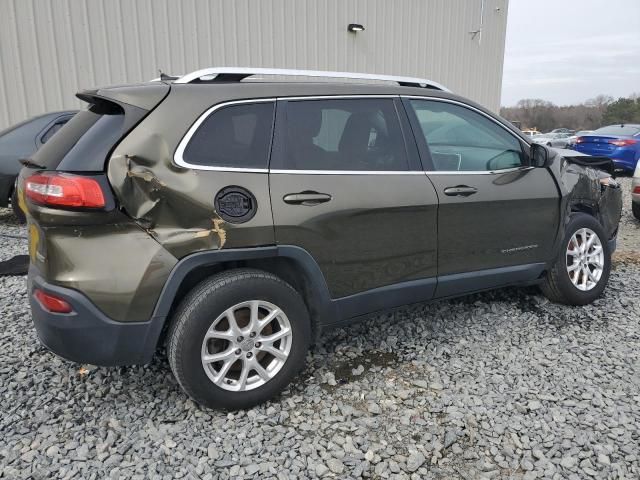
[
  {"x": 87, "y": 335},
  {"x": 6, "y": 187}
]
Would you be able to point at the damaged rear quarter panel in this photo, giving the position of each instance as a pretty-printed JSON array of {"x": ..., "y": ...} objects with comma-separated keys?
[
  {"x": 175, "y": 204},
  {"x": 117, "y": 266}
]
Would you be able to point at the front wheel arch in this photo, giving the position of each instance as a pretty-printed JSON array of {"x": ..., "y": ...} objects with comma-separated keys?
[{"x": 557, "y": 285}]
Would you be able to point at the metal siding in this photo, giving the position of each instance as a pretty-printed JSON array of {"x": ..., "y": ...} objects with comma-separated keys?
[{"x": 50, "y": 50}]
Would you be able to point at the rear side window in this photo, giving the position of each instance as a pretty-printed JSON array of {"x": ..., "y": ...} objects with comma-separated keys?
[
  {"x": 343, "y": 134},
  {"x": 235, "y": 136}
]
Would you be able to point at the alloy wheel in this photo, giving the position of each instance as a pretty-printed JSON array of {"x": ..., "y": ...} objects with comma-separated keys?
[
  {"x": 585, "y": 259},
  {"x": 246, "y": 346}
]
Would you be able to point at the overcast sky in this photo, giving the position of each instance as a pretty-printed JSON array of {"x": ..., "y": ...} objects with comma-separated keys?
[{"x": 567, "y": 51}]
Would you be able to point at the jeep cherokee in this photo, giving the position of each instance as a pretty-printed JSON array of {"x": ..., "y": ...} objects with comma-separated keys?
[{"x": 234, "y": 219}]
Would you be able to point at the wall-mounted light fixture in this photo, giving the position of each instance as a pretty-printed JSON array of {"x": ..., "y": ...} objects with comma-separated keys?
[{"x": 355, "y": 27}]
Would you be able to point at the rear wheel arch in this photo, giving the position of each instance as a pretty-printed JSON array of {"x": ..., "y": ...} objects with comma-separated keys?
[
  {"x": 213, "y": 368},
  {"x": 292, "y": 264}
]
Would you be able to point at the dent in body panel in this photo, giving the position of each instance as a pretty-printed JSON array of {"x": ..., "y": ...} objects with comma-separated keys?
[
  {"x": 175, "y": 204},
  {"x": 582, "y": 191},
  {"x": 118, "y": 267}
]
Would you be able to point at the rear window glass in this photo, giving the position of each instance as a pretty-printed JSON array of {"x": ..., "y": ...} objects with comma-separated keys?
[
  {"x": 53, "y": 130},
  {"x": 85, "y": 141},
  {"x": 236, "y": 136},
  {"x": 21, "y": 138},
  {"x": 617, "y": 130}
]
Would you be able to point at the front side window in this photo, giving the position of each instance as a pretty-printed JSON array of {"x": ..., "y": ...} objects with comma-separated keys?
[
  {"x": 236, "y": 136},
  {"x": 460, "y": 139},
  {"x": 343, "y": 134}
]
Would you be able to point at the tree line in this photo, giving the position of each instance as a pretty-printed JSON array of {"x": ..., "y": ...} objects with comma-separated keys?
[{"x": 593, "y": 113}]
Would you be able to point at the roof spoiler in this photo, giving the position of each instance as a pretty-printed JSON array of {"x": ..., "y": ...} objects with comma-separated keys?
[{"x": 144, "y": 95}]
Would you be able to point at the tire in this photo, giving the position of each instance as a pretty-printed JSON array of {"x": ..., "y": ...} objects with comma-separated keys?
[
  {"x": 15, "y": 206},
  {"x": 558, "y": 285},
  {"x": 635, "y": 208},
  {"x": 207, "y": 306}
]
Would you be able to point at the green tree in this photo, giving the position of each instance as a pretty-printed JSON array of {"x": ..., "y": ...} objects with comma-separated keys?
[{"x": 623, "y": 110}]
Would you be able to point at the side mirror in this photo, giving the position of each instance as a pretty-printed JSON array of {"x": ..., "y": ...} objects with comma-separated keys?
[{"x": 539, "y": 156}]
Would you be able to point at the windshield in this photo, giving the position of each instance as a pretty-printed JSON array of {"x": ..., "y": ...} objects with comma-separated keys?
[{"x": 618, "y": 130}]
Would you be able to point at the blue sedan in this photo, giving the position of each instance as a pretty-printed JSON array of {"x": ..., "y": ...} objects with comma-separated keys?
[{"x": 621, "y": 143}]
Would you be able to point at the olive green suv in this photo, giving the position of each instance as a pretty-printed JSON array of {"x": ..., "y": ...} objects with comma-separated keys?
[{"x": 234, "y": 219}]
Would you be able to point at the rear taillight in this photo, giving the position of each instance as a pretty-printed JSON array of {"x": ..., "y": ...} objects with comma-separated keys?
[
  {"x": 636, "y": 189},
  {"x": 52, "y": 303},
  {"x": 55, "y": 189},
  {"x": 623, "y": 142}
]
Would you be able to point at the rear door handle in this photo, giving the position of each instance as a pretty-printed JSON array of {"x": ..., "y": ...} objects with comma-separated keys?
[
  {"x": 460, "y": 190},
  {"x": 306, "y": 198}
]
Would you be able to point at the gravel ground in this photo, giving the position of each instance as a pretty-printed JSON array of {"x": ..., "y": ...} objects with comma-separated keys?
[{"x": 497, "y": 385}]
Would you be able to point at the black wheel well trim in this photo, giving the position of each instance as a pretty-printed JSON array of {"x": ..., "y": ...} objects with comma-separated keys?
[
  {"x": 584, "y": 206},
  {"x": 325, "y": 311},
  {"x": 217, "y": 257},
  {"x": 324, "y": 308}
]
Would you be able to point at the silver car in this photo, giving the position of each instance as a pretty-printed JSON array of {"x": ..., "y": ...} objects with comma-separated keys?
[
  {"x": 558, "y": 140},
  {"x": 572, "y": 138},
  {"x": 635, "y": 192}
]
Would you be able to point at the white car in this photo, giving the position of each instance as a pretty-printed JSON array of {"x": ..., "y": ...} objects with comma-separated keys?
[
  {"x": 531, "y": 133},
  {"x": 558, "y": 140},
  {"x": 635, "y": 192}
]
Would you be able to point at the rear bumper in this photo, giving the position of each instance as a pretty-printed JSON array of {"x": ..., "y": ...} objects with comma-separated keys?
[
  {"x": 623, "y": 158},
  {"x": 87, "y": 335},
  {"x": 6, "y": 186},
  {"x": 626, "y": 164}
]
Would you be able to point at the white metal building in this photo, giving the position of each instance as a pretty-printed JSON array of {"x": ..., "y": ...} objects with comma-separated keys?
[{"x": 50, "y": 49}]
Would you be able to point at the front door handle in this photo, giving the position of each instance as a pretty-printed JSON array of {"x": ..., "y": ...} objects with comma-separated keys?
[
  {"x": 460, "y": 190},
  {"x": 306, "y": 198}
]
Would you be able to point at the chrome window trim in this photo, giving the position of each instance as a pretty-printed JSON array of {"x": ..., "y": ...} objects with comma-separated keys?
[
  {"x": 478, "y": 172},
  {"x": 178, "y": 156},
  {"x": 348, "y": 172},
  {"x": 179, "y": 160},
  {"x": 339, "y": 97}
]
